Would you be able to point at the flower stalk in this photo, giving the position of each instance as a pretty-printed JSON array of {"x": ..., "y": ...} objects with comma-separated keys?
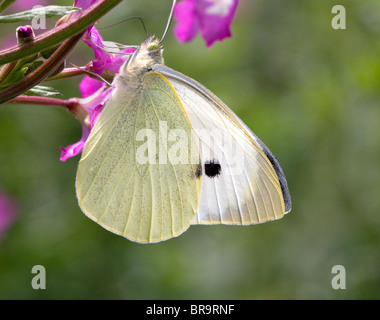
[
  {"x": 73, "y": 105},
  {"x": 35, "y": 100},
  {"x": 42, "y": 72},
  {"x": 72, "y": 72},
  {"x": 59, "y": 33}
]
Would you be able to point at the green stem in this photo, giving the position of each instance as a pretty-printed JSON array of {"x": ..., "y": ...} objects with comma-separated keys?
[
  {"x": 42, "y": 72},
  {"x": 7, "y": 69},
  {"x": 59, "y": 33}
]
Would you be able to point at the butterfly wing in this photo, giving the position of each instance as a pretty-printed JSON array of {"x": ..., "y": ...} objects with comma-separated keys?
[
  {"x": 242, "y": 181},
  {"x": 130, "y": 178}
]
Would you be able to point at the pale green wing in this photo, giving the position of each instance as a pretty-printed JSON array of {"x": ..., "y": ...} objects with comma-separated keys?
[
  {"x": 136, "y": 176},
  {"x": 242, "y": 181}
]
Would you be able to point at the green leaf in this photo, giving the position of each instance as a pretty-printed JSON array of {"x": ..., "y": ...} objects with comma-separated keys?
[
  {"x": 43, "y": 91},
  {"x": 21, "y": 69},
  {"x": 37, "y": 13},
  {"x": 16, "y": 75}
]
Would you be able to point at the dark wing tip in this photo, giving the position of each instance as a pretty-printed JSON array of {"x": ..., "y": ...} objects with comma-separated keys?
[{"x": 280, "y": 175}]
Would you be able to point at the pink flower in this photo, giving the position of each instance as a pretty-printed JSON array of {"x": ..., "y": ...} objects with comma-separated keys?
[
  {"x": 8, "y": 213},
  {"x": 211, "y": 17},
  {"x": 73, "y": 149},
  {"x": 103, "y": 59}
]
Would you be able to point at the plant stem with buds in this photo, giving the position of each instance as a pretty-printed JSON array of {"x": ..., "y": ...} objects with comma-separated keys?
[
  {"x": 59, "y": 33},
  {"x": 42, "y": 72}
]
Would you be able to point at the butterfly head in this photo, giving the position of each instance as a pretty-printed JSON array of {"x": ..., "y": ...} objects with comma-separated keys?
[
  {"x": 141, "y": 62},
  {"x": 151, "y": 51},
  {"x": 147, "y": 55}
]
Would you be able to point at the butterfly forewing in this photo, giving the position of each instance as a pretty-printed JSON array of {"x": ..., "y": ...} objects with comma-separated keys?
[{"x": 240, "y": 184}]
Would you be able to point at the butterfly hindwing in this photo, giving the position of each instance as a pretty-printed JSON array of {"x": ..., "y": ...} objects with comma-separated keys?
[{"x": 136, "y": 176}]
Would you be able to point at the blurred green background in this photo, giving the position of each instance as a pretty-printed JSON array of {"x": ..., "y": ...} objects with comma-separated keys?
[{"x": 310, "y": 92}]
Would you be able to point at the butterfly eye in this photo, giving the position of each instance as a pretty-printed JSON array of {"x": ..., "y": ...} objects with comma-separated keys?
[{"x": 153, "y": 47}]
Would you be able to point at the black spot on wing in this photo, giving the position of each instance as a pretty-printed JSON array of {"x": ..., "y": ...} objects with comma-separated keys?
[{"x": 212, "y": 169}]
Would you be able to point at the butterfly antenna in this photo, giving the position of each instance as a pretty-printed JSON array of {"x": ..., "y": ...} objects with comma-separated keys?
[
  {"x": 169, "y": 20},
  {"x": 92, "y": 73},
  {"x": 127, "y": 19},
  {"x": 119, "y": 45}
]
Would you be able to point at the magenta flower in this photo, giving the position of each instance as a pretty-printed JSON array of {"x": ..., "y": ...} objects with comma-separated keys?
[
  {"x": 74, "y": 149},
  {"x": 211, "y": 17},
  {"x": 103, "y": 59},
  {"x": 8, "y": 213}
]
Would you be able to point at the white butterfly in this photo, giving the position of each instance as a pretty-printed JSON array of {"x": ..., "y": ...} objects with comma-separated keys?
[{"x": 166, "y": 153}]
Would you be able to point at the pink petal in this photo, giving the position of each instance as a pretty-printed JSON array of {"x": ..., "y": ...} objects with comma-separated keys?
[
  {"x": 215, "y": 27},
  {"x": 95, "y": 114},
  {"x": 212, "y": 17},
  {"x": 95, "y": 41},
  {"x": 98, "y": 98},
  {"x": 84, "y": 4},
  {"x": 103, "y": 59},
  {"x": 76, "y": 148},
  {"x": 89, "y": 86},
  {"x": 185, "y": 13},
  {"x": 99, "y": 104},
  {"x": 119, "y": 59}
]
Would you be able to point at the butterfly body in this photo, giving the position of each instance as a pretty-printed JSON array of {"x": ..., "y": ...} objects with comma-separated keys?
[{"x": 166, "y": 153}]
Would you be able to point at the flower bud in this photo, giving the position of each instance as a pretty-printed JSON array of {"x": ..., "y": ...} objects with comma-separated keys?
[{"x": 24, "y": 34}]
